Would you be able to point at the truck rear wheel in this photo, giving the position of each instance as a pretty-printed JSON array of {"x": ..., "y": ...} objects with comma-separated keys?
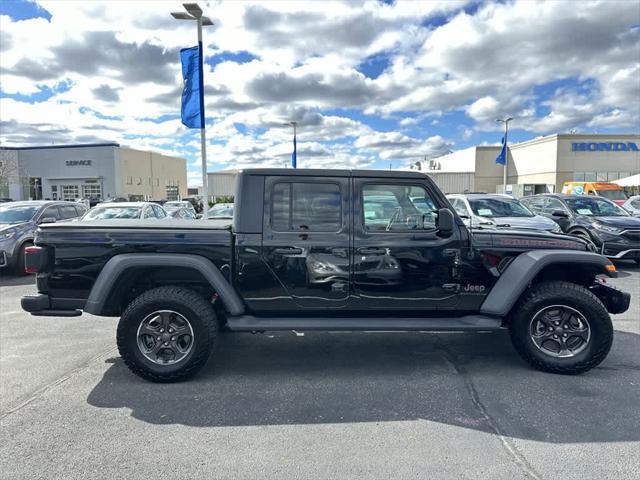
[
  {"x": 167, "y": 334},
  {"x": 561, "y": 327}
]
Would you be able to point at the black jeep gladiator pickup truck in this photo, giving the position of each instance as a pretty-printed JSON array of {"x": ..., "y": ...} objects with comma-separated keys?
[{"x": 325, "y": 250}]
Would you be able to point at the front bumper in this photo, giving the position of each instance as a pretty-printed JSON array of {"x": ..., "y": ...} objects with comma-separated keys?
[
  {"x": 616, "y": 301},
  {"x": 617, "y": 250}
]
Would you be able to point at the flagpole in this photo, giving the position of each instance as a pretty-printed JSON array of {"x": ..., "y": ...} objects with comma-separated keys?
[
  {"x": 506, "y": 158},
  {"x": 506, "y": 151},
  {"x": 203, "y": 135}
]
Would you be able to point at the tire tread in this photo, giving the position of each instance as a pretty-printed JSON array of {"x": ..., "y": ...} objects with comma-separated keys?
[
  {"x": 540, "y": 292},
  {"x": 199, "y": 306}
]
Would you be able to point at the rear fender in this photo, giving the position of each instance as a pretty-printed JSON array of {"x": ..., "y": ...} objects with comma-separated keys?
[{"x": 120, "y": 265}]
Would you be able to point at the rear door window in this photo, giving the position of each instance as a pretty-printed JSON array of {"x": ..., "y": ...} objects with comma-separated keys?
[{"x": 305, "y": 206}]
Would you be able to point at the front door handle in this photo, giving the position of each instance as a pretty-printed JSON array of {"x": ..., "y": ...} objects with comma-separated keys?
[
  {"x": 372, "y": 251},
  {"x": 288, "y": 251}
]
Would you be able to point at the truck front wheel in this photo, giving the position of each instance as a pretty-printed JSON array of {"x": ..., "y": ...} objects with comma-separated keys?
[
  {"x": 561, "y": 327},
  {"x": 167, "y": 334}
]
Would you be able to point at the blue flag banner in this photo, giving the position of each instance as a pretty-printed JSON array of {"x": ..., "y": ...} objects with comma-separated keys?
[
  {"x": 294, "y": 155},
  {"x": 501, "y": 159},
  {"x": 191, "y": 101}
]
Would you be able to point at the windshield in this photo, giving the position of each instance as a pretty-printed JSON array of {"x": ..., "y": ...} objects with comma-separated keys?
[
  {"x": 107, "y": 213},
  {"x": 220, "y": 211},
  {"x": 499, "y": 207},
  {"x": 177, "y": 204},
  {"x": 613, "y": 194},
  {"x": 595, "y": 206},
  {"x": 17, "y": 214}
]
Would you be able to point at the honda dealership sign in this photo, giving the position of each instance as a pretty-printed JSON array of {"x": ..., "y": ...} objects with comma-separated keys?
[{"x": 604, "y": 147}]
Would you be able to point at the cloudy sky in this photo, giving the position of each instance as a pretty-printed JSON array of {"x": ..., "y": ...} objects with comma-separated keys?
[{"x": 370, "y": 83}]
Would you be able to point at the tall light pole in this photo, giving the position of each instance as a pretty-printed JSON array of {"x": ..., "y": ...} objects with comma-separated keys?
[
  {"x": 506, "y": 150},
  {"x": 194, "y": 12},
  {"x": 294, "y": 155}
]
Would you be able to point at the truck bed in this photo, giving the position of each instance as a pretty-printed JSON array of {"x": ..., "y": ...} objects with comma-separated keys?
[{"x": 81, "y": 249}]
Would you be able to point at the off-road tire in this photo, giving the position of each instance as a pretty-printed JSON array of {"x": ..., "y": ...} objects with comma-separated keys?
[
  {"x": 189, "y": 304},
  {"x": 18, "y": 268},
  {"x": 574, "y": 296}
]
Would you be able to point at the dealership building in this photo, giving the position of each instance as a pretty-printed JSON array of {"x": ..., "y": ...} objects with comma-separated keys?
[
  {"x": 103, "y": 170},
  {"x": 539, "y": 165}
]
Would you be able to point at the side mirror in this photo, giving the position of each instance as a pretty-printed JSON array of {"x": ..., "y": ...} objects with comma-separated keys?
[
  {"x": 560, "y": 213},
  {"x": 47, "y": 220},
  {"x": 444, "y": 222}
]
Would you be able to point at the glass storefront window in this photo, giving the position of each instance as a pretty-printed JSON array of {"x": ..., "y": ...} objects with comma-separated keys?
[
  {"x": 92, "y": 190},
  {"x": 613, "y": 176},
  {"x": 578, "y": 176},
  {"x": 70, "y": 192},
  {"x": 589, "y": 176},
  {"x": 601, "y": 176}
]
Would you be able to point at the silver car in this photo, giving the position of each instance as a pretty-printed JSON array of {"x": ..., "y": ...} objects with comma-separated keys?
[
  {"x": 632, "y": 205},
  {"x": 492, "y": 211},
  {"x": 125, "y": 210},
  {"x": 19, "y": 221}
]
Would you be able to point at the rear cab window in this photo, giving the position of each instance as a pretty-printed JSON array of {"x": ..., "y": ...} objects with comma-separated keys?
[{"x": 305, "y": 206}]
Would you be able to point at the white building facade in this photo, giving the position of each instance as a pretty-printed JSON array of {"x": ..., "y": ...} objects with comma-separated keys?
[
  {"x": 540, "y": 165},
  {"x": 107, "y": 170}
]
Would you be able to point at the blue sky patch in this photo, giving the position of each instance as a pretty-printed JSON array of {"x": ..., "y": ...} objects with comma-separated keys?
[{"x": 23, "y": 10}]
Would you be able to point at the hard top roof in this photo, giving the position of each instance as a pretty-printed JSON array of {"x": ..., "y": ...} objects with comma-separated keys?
[{"x": 314, "y": 172}]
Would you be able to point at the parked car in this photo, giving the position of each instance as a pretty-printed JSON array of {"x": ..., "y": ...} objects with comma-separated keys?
[
  {"x": 614, "y": 231},
  {"x": 172, "y": 204},
  {"x": 174, "y": 290},
  {"x": 181, "y": 213},
  {"x": 221, "y": 211},
  {"x": 126, "y": 210},
  {"x": 632, "y": 205},
  {"x": 485, "y": 210},
  {"x": 611, "y": 191},
  {"x": 18, "y": 223},
  {"x": 6, "y": 200}
]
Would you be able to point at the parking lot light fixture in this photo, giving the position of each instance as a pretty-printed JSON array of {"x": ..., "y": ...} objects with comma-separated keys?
[{"x": 194, "y": 12}]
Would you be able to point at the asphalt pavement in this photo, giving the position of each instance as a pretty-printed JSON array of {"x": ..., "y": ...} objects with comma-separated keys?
[{"x": 318, "y": 405}]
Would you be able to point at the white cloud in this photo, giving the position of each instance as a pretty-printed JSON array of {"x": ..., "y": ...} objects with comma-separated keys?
[{"x": 121, "y": 67}]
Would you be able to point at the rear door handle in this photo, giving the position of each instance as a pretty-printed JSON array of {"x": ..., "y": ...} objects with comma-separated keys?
[
  {"x": 372, "y": 251},
  {"x": 288, "y": 251}
]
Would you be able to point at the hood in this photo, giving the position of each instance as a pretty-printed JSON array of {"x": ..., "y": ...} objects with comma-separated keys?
[
  {"x": 7, "y": 226},
  {"x": 537, "y": 222},
  {"x": 524, "y": 240},
  {"x": 619, "y": 222}
]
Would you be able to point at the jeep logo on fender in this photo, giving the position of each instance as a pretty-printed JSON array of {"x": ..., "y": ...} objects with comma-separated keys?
[{"x": 604, "y": 147}]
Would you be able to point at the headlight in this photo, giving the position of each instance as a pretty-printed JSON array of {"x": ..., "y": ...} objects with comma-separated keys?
[
  {"x": 606, "y": 229},
  {"x": 556, "y": 228},
  {"x": 5, "y": 235}
]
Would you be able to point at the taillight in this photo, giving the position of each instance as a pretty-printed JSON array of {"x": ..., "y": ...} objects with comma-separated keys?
[{"x": 33, "y": 259}]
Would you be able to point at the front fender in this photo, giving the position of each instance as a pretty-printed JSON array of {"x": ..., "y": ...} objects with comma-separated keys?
[{"x": 521, "y": 272}]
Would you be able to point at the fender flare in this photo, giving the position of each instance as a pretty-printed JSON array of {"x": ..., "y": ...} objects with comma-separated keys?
[
  {"x": 118, "y": 265},
  {"x": 523, "y": 269}
]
